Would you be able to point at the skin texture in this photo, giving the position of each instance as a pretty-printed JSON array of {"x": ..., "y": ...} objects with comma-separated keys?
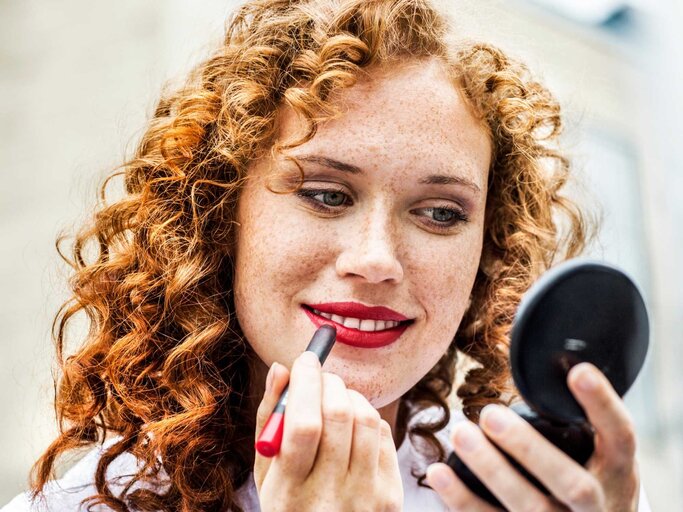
[{"x": 381, "y": 250}]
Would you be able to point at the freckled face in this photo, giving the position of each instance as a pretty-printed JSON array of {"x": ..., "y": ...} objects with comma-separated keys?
[{"x": 394, "y": 226}]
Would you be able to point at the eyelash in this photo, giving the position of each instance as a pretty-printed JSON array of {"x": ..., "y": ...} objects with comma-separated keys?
[{"x": 309, "y": 194}]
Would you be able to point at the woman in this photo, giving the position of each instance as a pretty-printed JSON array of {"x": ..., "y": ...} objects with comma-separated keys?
[{"x": 334, "y": 162}]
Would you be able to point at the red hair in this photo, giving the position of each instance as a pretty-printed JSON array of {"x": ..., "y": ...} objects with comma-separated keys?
[{"x": 164, "y": 364}]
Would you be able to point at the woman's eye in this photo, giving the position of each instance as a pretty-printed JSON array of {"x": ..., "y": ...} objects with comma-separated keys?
[
  {"x": 441, "y": 217},
  {"x": 325, "y": 198},
  {"x": 332, "y": 198}
]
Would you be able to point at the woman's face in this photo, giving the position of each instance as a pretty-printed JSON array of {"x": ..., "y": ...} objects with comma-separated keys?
[{"x": 391, "y": 213}]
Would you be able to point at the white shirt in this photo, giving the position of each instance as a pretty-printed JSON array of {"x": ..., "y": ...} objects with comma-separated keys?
[{"x": 65, "y": 494}]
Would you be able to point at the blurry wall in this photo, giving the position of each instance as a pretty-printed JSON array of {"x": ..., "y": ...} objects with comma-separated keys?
[{"x": 78, "y": 80}]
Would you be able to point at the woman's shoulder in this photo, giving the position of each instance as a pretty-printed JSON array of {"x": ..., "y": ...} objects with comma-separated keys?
[{"x": 78, "y": 483}]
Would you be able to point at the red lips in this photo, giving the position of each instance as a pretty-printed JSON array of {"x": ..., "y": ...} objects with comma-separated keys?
[
  {"x": 356, "y": 337},
  {"x": 355, "y": 310}
]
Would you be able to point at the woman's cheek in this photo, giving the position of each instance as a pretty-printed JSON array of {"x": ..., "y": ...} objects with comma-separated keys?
[
  {"x": 280, "y": 240},
  {"x": 446, "y": 266},
  {"x": 280, "y": 257}
]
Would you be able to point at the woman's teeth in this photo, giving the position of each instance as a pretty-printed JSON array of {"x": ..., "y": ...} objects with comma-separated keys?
[{"x": 357, "y": 323}]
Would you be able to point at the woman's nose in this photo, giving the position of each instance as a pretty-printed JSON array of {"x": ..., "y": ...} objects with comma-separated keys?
[{"x": 371, "y": 252}]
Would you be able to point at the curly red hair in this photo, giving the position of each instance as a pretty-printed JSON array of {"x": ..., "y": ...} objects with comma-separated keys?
[{"x": 164, "y": 363}]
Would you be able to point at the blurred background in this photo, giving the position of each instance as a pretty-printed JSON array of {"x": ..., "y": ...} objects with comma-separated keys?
[{"x": 79, "y": 78}]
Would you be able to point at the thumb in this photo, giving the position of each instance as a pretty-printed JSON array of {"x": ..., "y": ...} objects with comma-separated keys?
[{"x": 276, "y": 381}]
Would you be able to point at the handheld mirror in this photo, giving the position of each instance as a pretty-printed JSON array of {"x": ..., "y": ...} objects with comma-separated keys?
[{"x": 578, "y": 311}]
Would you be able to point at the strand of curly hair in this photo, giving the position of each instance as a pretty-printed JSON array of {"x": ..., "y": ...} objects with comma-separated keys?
[{"x": 164, "y": 364}]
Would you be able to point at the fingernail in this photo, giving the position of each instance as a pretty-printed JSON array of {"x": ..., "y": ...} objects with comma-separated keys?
[
  {"x": 466, "y": 436},
  {"x": 495, "y": 418},
  {"x": 270, "y": 377},
  {"x": 438, "y": 480},
  {"x": 587, "y": 380},
  {"x": 309, "y": 359}
]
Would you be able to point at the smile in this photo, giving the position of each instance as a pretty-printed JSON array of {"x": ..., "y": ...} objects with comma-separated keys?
[
  {"x": 359, "y": 323},
  {"x": 371, "y": 327}
]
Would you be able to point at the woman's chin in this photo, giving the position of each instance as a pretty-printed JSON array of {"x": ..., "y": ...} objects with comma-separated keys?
[{"x": 378, "y": 397}]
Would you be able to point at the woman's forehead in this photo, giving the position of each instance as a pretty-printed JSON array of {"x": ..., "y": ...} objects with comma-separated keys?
[{"x": 413, "y": 113}]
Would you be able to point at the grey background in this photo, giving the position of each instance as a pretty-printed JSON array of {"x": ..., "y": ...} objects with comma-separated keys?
[{"x": 78, "y": 79}]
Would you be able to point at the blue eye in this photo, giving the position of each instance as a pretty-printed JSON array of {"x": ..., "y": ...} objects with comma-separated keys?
[
  {"x": 441, "y": 217},
  {"x": 443, "y": 214},
  {"x": 333, "y": 198},
  {"x": 325, "y": 198}
]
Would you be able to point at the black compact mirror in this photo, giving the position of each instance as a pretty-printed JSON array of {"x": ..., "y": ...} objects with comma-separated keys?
[{"x": 578, "y": 311}]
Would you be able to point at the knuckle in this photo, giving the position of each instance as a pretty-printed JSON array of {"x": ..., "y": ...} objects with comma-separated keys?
[
  {"x": 582, "y": 491},
  {"x": 368, "y": 419},
  {"x": 625, "y": 437},
  {"x": 337, "y": 413},
  {"x": 305, "y": 430}
]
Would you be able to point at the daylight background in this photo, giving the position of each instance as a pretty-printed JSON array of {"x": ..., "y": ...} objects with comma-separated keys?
[{"x": 79, "y": 78}]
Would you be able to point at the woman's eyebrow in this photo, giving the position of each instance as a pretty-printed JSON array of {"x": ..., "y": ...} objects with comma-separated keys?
[
  {"x": 331, "y": 162},
  {"x": 432, "y": 179},
  {"x": 444, "y": 179}
]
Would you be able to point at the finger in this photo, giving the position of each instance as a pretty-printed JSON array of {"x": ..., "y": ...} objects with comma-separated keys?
[
  {"x": 276, "y": 380},
  {"x": 495, "y": 472},
  {"x": 278, "y": 377},
  {"x": 303, "y": 419},
  {"x": 388, "y": 469},
  {"x": 364, "y": 459},
  {"x": 569, "y": 482},
  {"x": 335, "y": 441},
  {"x": 453, "y": 492},
  {"x": 608, "y": 415}
]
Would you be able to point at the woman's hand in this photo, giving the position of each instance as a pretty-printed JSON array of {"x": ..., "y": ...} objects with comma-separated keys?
[
  {"x": 337, "y": 454},
  {"x": 609, "y": 482}
]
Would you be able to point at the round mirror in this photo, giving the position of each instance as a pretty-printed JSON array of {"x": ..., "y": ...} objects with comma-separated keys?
[{"x": 577, "y": 311}]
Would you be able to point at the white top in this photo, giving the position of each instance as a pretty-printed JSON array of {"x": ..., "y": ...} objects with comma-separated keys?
[{"x": 65, "y": 494}]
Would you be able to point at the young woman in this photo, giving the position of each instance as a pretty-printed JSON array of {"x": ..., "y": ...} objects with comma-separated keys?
[{"x": 343, "y": 162}]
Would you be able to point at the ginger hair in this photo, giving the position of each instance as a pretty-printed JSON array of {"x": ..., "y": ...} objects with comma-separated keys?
[{"x": 164, "y": 364}]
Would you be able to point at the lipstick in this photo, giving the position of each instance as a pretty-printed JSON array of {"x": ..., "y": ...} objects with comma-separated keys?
[{"x": 270, "y": 438}]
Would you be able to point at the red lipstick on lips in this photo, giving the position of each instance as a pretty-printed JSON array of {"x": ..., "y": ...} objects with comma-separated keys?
[{"x": 356, "y": 337}]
